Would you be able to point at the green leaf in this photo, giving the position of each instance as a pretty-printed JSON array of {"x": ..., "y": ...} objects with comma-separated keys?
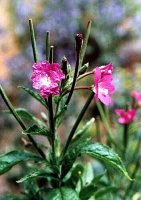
[
  {"x": 35, "y": 95},
  {"x": 105, "y": 154},
  {"x": 104, "y": 191},
  {"x": 34, "y": 174},
  {"x": 98, "y": 151},
  {"x": 61, "y": 110},
  {"x": 74, "y": 176},
  {"x": 88, "y": 174},
  {"x": 77, "y": 172},
  {"x": 80, "y": 132},
  {"x": 86, "y": 177},
  {"x": 97, "y": 178},
  {"x": 73, "y": 152},
  {"x": 44, "y": 117},
  {"x": 23, "y": 113},
  {"x": 84, "y": 46},
  {"x": 7, "y": 196},
  {"x": 62, "y": 193},
  {"x": 87, "y": 192},
  {"x": 35, "y": 130},
  {"x": 69, "y": 78},
  {"x": 7, "y": 161}
]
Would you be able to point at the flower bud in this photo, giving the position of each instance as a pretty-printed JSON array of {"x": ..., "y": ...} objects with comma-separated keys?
[
  {"x": 64, "y": 66},
  {"x": 83, "y": 69},
  {"x": 79, "y": 41}
]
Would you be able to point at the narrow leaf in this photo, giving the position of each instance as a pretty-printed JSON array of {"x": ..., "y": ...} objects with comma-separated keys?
[
  {"x": 35, "y": 130},
  {"x": 33, "y": 41},
  {"x": 104, "y": 191},
  {"x": 84, "y": 46},
  {"x": 80, "y": 132},
  {"x": 97, "y": 178},
  {"x": 63, "y": 193},
  {"x": 61, "y": 110},
  {"x": 105, "y": 154},
  {"x": 7, "y": 161},
  {"x": 87, "y": 192},
  {"x": 35, "y": 95},
  {"x": 23, "y": 113},
  {"x": 34, "y": 174},
  {"x": 73, "y": 152},
  {"x": 86, "y": 177}
]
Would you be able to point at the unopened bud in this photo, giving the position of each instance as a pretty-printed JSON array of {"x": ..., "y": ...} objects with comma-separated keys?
[
  {"x": 83, "y": 69},
  {"x": 79, "y": 41},
  {"x": 64, "y": 66}
]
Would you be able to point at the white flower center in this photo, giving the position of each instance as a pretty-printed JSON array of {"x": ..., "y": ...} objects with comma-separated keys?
[
  {"x": 110, "y": 71},
  {"x": 103, "y": 91},
  {"x": 45, "y": 81}
]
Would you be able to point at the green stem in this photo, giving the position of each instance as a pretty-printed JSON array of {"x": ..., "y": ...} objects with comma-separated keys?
[
  {"x": 106, "y": 124},
  {"x": 50, "y": 109},
  {"x": 33, "y": 41},
  {"x": 19, "y": 120},
  {"x": 77, "y": 123},
  {"x": 74, "y": 80},
  {"x": 51, "y": 54},
  {"x": 47, "y": 45},
  {"x": 133, "y": 176},
  {"x": 98, "y": 130},
  {"x": 85, "y": 42},
  {"x": 136, "y": 150},
  {"x": 78, "y": 88},
  {"x": 84, "y": 75},
  {"x": 125, "y": 138},
  {"x": 51, "y": 121}
]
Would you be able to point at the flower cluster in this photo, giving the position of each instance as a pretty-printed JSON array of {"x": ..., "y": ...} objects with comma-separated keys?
[
  {"x": 46, "y": 77},
  {"x": 137, "y": 96},
  {"x": 125, "y": 117},
  {"x": 103, "y": 83}
]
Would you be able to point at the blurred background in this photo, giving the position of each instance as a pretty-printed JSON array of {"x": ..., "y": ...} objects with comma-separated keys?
[{"x": 115, "y": 38}]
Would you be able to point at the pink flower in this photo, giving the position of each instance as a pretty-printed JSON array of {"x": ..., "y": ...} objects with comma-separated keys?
[
  {"x": 46, "y": 77},
  {"x": 107, "y": 68},
  {"x": 125, "y": 117},
  {"x": 136, "y": 95},
  {"x": 103, "y": 83}
]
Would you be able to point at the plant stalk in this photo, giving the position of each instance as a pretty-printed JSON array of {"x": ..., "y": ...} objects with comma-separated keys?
[
  {"x": 50, "y": 108},
  {"x": 79, "y": 41},
  {"x": 125, "y": 138},
  {"x": 77, "y": 123},
  {"x": 106, "y": 123},
  {"x": 74, "y": 80},
  {"x": 47, "y": 45},
  {"x": 133, "y": 176},
  {"x": 19, "y": 120},
  {"x": 98, "y": 135},
  {"x": 33, "y": 41}
]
